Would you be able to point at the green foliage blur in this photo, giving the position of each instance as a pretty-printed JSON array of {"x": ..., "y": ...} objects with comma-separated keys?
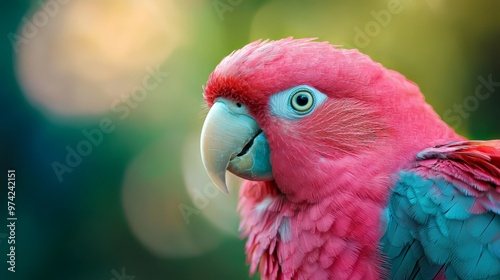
[{"x": 101, "y": 110}]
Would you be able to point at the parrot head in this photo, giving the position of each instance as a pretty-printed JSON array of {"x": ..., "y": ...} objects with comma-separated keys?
[{"x": 299, "y": 112}]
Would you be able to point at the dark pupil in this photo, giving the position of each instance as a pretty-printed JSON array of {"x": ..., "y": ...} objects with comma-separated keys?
[{"x": 302, "y": 100}]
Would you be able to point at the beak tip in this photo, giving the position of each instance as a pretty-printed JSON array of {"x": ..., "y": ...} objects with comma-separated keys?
[
  {"x": 220, "y": 182},
  {"x": 225, "y": 191}
]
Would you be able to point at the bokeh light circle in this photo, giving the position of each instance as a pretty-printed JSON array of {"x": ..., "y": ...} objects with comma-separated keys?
[{"x": 80, "y": 58}]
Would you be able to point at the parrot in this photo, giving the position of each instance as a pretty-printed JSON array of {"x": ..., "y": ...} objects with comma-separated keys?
[{"x": 347, "y": 172}]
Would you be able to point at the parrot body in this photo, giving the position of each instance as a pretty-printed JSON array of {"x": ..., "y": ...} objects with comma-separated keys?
[{"x": 351, "y": 175}]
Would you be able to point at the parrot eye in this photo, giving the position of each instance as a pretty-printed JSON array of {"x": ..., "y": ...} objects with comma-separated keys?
[
  {"x": 302, "y": 101},
  {"x": 296, "y": 103}
]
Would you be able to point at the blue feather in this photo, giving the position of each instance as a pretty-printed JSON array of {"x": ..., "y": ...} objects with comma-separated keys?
[
  {"x": 430, "y": 226},
  {"x": 444, "y": 214}
]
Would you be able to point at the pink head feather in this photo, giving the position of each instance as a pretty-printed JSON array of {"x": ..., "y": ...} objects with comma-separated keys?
[
  {"x": 371, "y": 110},
  {"x": 260, "y": 69}
]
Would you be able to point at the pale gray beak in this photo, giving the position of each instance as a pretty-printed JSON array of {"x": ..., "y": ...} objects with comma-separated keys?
[{"x": 232, "y": 140}]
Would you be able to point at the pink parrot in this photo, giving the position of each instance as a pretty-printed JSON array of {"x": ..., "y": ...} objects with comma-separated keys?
[{"x": 349, "y": 173}]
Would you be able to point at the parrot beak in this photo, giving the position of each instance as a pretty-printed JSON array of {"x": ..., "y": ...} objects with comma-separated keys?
[{"x": 232, "y": 140}]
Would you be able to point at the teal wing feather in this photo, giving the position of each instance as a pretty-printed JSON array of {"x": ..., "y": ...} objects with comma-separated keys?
[{"x": 443, "y": 217}]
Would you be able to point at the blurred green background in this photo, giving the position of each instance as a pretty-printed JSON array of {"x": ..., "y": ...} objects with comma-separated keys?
[{"x": 101, "y": 110}]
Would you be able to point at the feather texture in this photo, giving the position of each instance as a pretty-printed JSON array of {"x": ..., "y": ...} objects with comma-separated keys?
[
  {"x": 309, "y": 241},
  {"x": 444, "y": 214}
]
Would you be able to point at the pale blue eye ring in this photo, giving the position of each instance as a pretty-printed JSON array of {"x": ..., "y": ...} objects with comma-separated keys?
[
  {"x": 296, "y": 103},
  {"x": 302, "y": 101}
]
